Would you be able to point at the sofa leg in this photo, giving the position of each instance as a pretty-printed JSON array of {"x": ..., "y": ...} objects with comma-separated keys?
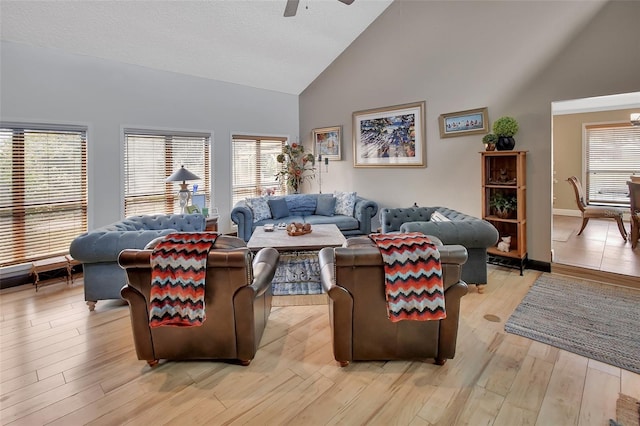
[
  {"x": 343, "y": 363},
  {"x": 92, "y": 305},
  {"x": 441, "y": 361},
  {"x": 152, "y": 362},
  {"x": 244, "y": 362},
  {"x": 480, "y": 288}
]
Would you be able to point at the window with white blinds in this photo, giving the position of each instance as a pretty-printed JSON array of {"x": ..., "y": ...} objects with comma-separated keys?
[
  {"x": 612, "y": 155},
  {"x": 150, "y": 157},
  {"x": 255, "y": 166},
  {"x": 43, "y": 190}
]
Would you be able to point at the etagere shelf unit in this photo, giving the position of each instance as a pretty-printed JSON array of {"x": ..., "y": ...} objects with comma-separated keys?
[{"x": 504, "y": 173}]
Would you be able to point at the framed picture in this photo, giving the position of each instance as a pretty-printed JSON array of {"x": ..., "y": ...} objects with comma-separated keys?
[
  {"x": 463, "y": 123},
  {"x": 327, "y": 142},
  {"x": 199, "y": 200},
  {"x": 390, "y": 137},
  {"x": 192, "y": 209}
]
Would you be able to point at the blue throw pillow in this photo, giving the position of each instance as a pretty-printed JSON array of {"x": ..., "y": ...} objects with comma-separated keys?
[
  {"x": 326, "y": 205},
  {"x": 278, "y": 208}
]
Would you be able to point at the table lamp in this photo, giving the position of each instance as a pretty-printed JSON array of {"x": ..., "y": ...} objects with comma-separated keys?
[{"x": 183, "y": 175}]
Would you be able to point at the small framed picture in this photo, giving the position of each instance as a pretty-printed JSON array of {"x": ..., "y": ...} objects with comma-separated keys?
[
  {"x": 192, "y": 209},
  {"x": 327, "y": 142},
  {"x": 463, "y": 123},
  {"x": 199, "y": 200}
]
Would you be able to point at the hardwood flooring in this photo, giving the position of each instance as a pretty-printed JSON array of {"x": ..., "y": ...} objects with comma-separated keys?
[{"x": 62, "y": 365}]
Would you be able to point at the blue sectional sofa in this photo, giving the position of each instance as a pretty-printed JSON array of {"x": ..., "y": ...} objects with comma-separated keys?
[
  {"x": 304, "y": 208},
  {"x": 98, "y": 249}
]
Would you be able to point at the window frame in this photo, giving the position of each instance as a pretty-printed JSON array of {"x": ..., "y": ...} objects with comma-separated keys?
[
  {"x": 76, "y": 205},
  {"x": 588, "y": 170},
  {"x": 169, "y": 196},
  {"x": 256, "y": 190}
]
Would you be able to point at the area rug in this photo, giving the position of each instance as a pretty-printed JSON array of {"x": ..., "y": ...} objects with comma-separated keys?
[
  {"x": 591, "y": 319},
  {"x": 627, "y": 411}
]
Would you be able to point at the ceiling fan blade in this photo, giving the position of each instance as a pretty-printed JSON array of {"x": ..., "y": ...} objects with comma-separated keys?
[
  {"x": 346, "y": 1},
  {"x": 291, "y": 8}
]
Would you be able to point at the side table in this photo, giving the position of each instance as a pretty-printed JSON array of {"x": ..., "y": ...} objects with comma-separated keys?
[{"x": 211, "y": 224}]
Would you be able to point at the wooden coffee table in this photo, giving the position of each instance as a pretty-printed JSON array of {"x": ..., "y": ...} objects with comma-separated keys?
[
  {"x": 321, "y": 236},
  {"x": 298, "y": 271}
]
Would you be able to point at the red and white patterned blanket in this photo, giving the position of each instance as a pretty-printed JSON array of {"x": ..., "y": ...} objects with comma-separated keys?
[
  {"x": 413, "y": 276},
  {"x": 178, "y": 271}
]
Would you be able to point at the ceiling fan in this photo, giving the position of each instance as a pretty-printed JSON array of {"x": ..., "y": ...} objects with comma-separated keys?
[{"x": 292, "y": 6}]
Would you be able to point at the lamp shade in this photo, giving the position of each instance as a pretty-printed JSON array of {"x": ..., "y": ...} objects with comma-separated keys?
[{"x": 181, "y": 175}]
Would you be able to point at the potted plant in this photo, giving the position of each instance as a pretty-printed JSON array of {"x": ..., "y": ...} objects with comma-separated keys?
[
  {"x": 503, "y": 204},
  {"x": 489, "y": 140},
  {"x": 297, "y": 166},
  {"x": 505, "y": 128}
]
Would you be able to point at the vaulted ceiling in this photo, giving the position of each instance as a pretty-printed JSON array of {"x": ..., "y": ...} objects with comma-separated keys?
[{"x": 247, "y": 42}]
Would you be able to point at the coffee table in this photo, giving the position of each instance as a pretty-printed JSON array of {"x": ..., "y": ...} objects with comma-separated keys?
[{"x": 298, "y": 270}]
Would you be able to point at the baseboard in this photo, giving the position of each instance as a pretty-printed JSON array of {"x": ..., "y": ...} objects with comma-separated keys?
[
  {"x": 538, "y": 265},
  {"x": 567, "y": 212}
]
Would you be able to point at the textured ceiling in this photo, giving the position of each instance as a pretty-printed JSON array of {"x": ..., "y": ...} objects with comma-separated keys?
[{"x": 246, "y": 42}]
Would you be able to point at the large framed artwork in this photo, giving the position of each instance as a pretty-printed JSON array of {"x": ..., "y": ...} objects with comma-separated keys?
[
  {"x": 390, "y": 137},
  {"x": 463, "y": 123},
  {"x": 327, "y": 142}
]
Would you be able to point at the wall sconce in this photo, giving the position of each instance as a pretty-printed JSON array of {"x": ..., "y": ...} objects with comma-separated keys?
[
  {"x": 635, "y": 118},
  {"x": 326, "y": 169},
  {"x": 183, "y": 175}
]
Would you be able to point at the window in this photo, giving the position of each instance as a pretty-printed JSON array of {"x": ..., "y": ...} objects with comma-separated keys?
[
  {"x": 255, "y": 166},
  {"x": 150, "y": 157},
  {"x": 43, "y": 190},
  {"x": 612, "y": 155}
]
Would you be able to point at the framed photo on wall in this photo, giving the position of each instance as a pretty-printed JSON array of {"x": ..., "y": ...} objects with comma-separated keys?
[
  {"x": 390, "y": 137},
  {"x": 327, "y": 142},
  {"x": 463, "y": 123}
]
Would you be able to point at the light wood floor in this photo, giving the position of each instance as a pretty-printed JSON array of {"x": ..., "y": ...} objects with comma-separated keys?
[
  {"x": 599, "y": 248},
  {"x": 62, "y": 365}
]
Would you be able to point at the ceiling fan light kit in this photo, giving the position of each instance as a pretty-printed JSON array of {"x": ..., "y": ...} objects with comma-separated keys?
[{"x": 292, "y": 6}]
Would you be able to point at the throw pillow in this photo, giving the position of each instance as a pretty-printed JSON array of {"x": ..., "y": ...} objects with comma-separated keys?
[
  {"x": 260, "y": 208},
  {"x": 345, "y": 202},
  {"x": 326, "y": 205},
  {"x": 439, "y": 217},
  {"x": 278, "y": 208}
]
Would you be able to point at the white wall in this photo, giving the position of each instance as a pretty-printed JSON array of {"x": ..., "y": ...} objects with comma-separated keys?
[
  {"x": 49, "y": 86},
  {"x": 513, "y": 57}
]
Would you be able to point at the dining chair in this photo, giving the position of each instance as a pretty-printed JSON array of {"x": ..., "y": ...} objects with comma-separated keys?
[
  {"x": 589, "y": 212},
  {"x": 634, "y": 199}
]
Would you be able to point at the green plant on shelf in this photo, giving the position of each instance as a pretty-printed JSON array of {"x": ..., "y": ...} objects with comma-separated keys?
[{"x": 503, "y": 204}]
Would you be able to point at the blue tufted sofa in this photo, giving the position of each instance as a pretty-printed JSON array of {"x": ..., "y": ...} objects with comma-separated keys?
[
  {"x": 98, "y": 249},
  {"x": 302, "y": 208},
  {"x": 475, "y": 234}
]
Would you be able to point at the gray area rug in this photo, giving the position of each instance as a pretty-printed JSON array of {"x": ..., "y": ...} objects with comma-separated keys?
[{"x": 598, "y": 321}]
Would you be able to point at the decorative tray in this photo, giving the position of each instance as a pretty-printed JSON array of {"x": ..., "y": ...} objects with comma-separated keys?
[
  {"x": 296, "y": 229},
  {"x": 298, "y": 232}
]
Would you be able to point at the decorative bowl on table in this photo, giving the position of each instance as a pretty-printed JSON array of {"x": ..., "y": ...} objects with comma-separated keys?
[{"x": 295, "y": 229}]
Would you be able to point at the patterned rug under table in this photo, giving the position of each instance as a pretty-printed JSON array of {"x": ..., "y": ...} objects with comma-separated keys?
[{"x": 297, "y": 273}]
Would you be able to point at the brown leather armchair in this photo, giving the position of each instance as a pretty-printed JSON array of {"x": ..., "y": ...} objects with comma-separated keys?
[
  {"x": 237, "y": 305},
  {"x": 353, "y": 277}
]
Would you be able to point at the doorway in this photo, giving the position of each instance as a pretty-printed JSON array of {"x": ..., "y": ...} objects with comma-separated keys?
[{"x": 600, "y": 247}]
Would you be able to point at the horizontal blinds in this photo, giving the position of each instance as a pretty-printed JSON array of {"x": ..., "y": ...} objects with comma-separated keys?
[
  {"x": 613, "y": 154},
  {"x": 43, "y": 191},
  {"x": 255, "y": 166},
  {"x": 150, "y": 157}
]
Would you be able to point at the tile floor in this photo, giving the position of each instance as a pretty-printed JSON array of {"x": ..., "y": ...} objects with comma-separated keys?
[{"x": 600, "y": 246}]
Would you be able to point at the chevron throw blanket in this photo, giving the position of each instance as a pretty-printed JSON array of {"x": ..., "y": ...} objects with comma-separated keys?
[
  {"x": 178, "y": 271},
  {"x": 413, "y": 276}
]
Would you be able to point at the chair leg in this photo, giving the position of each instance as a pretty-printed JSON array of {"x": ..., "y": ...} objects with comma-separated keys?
[
  {"x": 441, "y": 361},
  {"x": 584, "y": 224},
  {"x": 343, "y": 363},
  {"x": 152, "y": 362},
  {"x": 621, "y": 228}
]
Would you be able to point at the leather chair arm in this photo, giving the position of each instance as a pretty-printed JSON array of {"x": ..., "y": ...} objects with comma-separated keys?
[
  {"x": 327, "y": 269},
  {"x": 264, "y": 268}
]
